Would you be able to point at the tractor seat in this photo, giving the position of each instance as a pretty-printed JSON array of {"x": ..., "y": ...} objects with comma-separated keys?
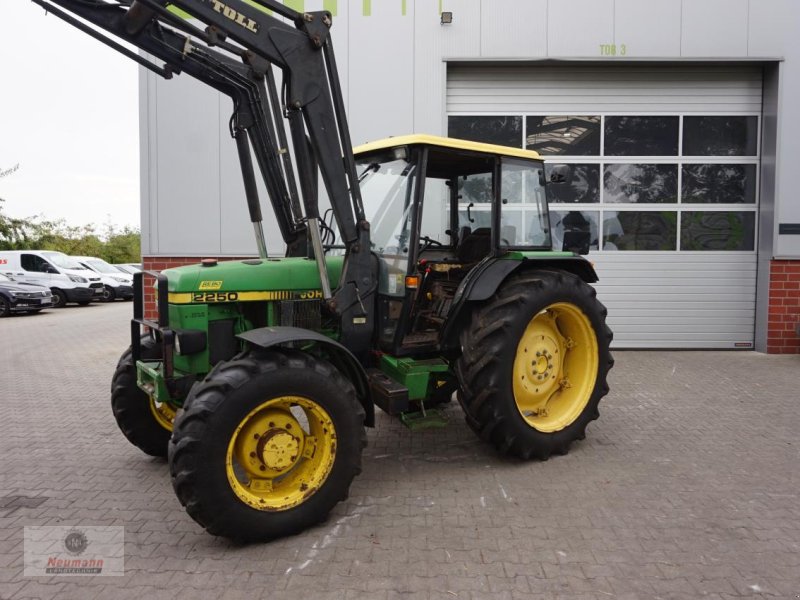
[{"x": 475, "y": 245}]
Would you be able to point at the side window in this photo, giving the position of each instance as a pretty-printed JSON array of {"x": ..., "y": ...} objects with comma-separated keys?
[
  {"x": 436, "y": 212},
  {"x": 31, "y": 262}
]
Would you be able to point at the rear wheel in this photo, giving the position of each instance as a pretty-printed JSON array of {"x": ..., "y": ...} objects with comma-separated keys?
[
  {"x": 59, "y": 299},
  {"x": 146, "y": 423},
  {"x": 534, "y": 364},
  {"x": 266, "y": 445},
  {"x": 108, "y": 294}
]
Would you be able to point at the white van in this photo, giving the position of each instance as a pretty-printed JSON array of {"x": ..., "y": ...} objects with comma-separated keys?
[
  {"x": 115, "y": 283},
  {"x": 66, "y": 278}
]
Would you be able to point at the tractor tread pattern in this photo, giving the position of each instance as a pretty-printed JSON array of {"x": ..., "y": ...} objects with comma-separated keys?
[
  {"x": 185, "y": 448},
  {"x": 482, "y": 368}
]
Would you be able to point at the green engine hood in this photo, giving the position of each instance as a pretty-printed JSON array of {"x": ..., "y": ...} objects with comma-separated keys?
[{"x": 253, "y": 275}]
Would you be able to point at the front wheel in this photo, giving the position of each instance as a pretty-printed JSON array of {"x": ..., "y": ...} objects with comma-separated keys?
[
  {"x": 266, "y": 445},
  {"x": 109, "y": 295},
  {"x": 5, "y": 308},
  {"x": 534, "y": 364},
  {"x": 59, "y": 299},
  {"x": 146, "y": 424}
]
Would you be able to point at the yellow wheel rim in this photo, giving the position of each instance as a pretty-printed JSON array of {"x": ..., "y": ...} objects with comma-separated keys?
[
  {"x": 163, "y": 412},
  {"x": 281, "y": 453},
  {"x": 555, "y": 368}
]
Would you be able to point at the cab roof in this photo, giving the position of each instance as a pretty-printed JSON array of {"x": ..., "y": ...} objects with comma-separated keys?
[{"x": 443, "y": 142}]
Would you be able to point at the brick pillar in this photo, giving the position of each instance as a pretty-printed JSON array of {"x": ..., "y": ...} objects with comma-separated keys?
[
  {"x": 784, "y": 307},
  {"x": 159, "y": 263}
]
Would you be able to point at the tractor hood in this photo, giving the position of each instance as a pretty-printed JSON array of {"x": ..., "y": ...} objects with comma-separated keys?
[{"x": 252, "y": 275}]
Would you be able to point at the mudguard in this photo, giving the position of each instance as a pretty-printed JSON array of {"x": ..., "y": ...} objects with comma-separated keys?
[
  {"x": 482, "y": 282},
  {"x": 339, "y": 356}
]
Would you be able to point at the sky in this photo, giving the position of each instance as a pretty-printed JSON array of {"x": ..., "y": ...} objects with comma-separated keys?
[{"x": 69, "y": 117}]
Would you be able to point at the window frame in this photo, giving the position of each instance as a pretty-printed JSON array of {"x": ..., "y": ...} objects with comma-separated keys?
[{"x": 680, "y": 159}]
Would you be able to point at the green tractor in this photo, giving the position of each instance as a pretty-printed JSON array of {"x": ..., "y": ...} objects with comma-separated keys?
[{"x": 433, "y": 274}]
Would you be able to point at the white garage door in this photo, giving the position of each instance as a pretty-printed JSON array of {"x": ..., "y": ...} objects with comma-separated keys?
[{"x": 664, "y": 173}]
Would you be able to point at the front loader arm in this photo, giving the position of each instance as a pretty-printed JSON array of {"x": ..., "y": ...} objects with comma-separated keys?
[
  {"x": 313, "y": 105},
  {"x": 241, "y": 82}
]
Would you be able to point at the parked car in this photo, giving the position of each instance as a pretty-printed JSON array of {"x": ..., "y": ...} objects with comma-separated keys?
[
  {"x": 129, "y": 268},
  {"x": 115, "y": 284},
  {"x": 65, "y": 277},
  {"x": 16, "y": 297}
]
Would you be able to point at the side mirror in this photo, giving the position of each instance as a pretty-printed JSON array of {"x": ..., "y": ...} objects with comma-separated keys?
[
  {"x": 560, "y": 174},
  {"x": 577, "y": 241}
]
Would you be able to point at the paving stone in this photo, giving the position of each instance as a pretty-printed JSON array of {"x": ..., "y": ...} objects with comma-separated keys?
[{"x": 685, "y": 487}]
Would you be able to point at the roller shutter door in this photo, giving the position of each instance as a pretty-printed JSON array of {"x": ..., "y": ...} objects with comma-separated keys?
[{"x": 664, "y": 173}]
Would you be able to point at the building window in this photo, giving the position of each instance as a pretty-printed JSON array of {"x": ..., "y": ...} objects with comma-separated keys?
[
  {"x": 641, "y": 136},
  {"x": 640, "y": 184},
  {"x": 563, "y": 135},
  {"x": 670, "y": 183},
  {"x": 501, "y": 130},
  {"x": 720, "y": 136},
  {"x": 719, "y": 183},
  {"x": 720, "y": 230}
]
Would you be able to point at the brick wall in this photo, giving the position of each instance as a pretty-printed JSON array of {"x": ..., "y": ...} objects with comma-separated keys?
[
  {"x": 159, "y": 263},
  {"x": 784, "y": 307}
]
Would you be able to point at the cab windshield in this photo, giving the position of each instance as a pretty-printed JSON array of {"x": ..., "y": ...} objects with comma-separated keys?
[
  {"x": 102, "y": 266},
  {"x": 387, "y": 193},
  {"x": 63, "y": 261}
]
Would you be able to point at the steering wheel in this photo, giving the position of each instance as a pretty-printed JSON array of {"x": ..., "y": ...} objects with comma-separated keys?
[{"x": 428, "y": 242}]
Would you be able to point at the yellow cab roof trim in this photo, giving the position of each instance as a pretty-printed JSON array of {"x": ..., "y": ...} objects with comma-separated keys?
[{"x": 435, "y": 140}]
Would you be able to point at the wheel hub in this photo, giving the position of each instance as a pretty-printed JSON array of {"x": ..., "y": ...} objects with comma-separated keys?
[
  {"x": 280, "y": 453},
  {"x": 279, "y": 450},
  {"x": 542, "y": 364},
  {"x": 555, "y": 367}
]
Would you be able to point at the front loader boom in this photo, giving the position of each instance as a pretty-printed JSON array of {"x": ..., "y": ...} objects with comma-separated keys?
[{"x": 312, "y": 104}]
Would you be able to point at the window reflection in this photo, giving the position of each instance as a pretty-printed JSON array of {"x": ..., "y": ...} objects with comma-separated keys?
[
  {"x": 566, "y": 222},
  {"x": 641, "y": 136},
  {"x": 720, "y": 136},
  {"x": 719, "y": 184},
  {"x": 502, "y": 130},
  {"x": 640, "y": 230},
  {"x": 565, "y": 135},
  {"x": 475, "y": 188},
  {"x": 722, "y": 230},
  {"x": 640, "y": 183},
  {"x": 583, "y": 185}
]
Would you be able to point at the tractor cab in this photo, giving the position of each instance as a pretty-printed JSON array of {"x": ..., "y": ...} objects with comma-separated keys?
[{"x": 439, "y": 207}]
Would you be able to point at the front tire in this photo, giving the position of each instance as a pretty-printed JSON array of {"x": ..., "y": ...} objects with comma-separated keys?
[
  {"x": 266, "y": 445},
  {"x": 109, "y": 295},
  {"x": 59, "y": 299},
  {"x": 145, "y": 423},
  {"x": 534, "y": 364}
]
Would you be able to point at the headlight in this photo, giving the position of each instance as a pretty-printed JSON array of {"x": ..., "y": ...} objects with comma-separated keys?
[
  {"x": 78, "y": 279},
  {"x": 190, "y": 341},
  {"x": 12, "y": 294},
  {"x": 119, "y": 279}
]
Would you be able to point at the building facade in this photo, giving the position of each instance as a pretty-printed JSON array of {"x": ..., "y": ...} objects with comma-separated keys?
[{"x": 674, "y": 117}]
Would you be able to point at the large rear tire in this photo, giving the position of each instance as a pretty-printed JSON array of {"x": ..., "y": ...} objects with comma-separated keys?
[
  {"x": 534, "y": 364},
  {"x": 266, "y": 445},
  {"x": 146, "y": 423}
]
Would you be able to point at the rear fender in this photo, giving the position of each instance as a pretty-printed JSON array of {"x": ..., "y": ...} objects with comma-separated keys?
[
  {"x": 339, "y": 356},
  {"x": 484, "y": 280}
]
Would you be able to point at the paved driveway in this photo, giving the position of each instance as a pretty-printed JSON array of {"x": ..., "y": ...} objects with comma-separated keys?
[{"x": 687, "y": 486}]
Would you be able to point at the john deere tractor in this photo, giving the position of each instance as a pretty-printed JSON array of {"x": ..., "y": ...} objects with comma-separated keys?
[{"x": 432, "y": 274}]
